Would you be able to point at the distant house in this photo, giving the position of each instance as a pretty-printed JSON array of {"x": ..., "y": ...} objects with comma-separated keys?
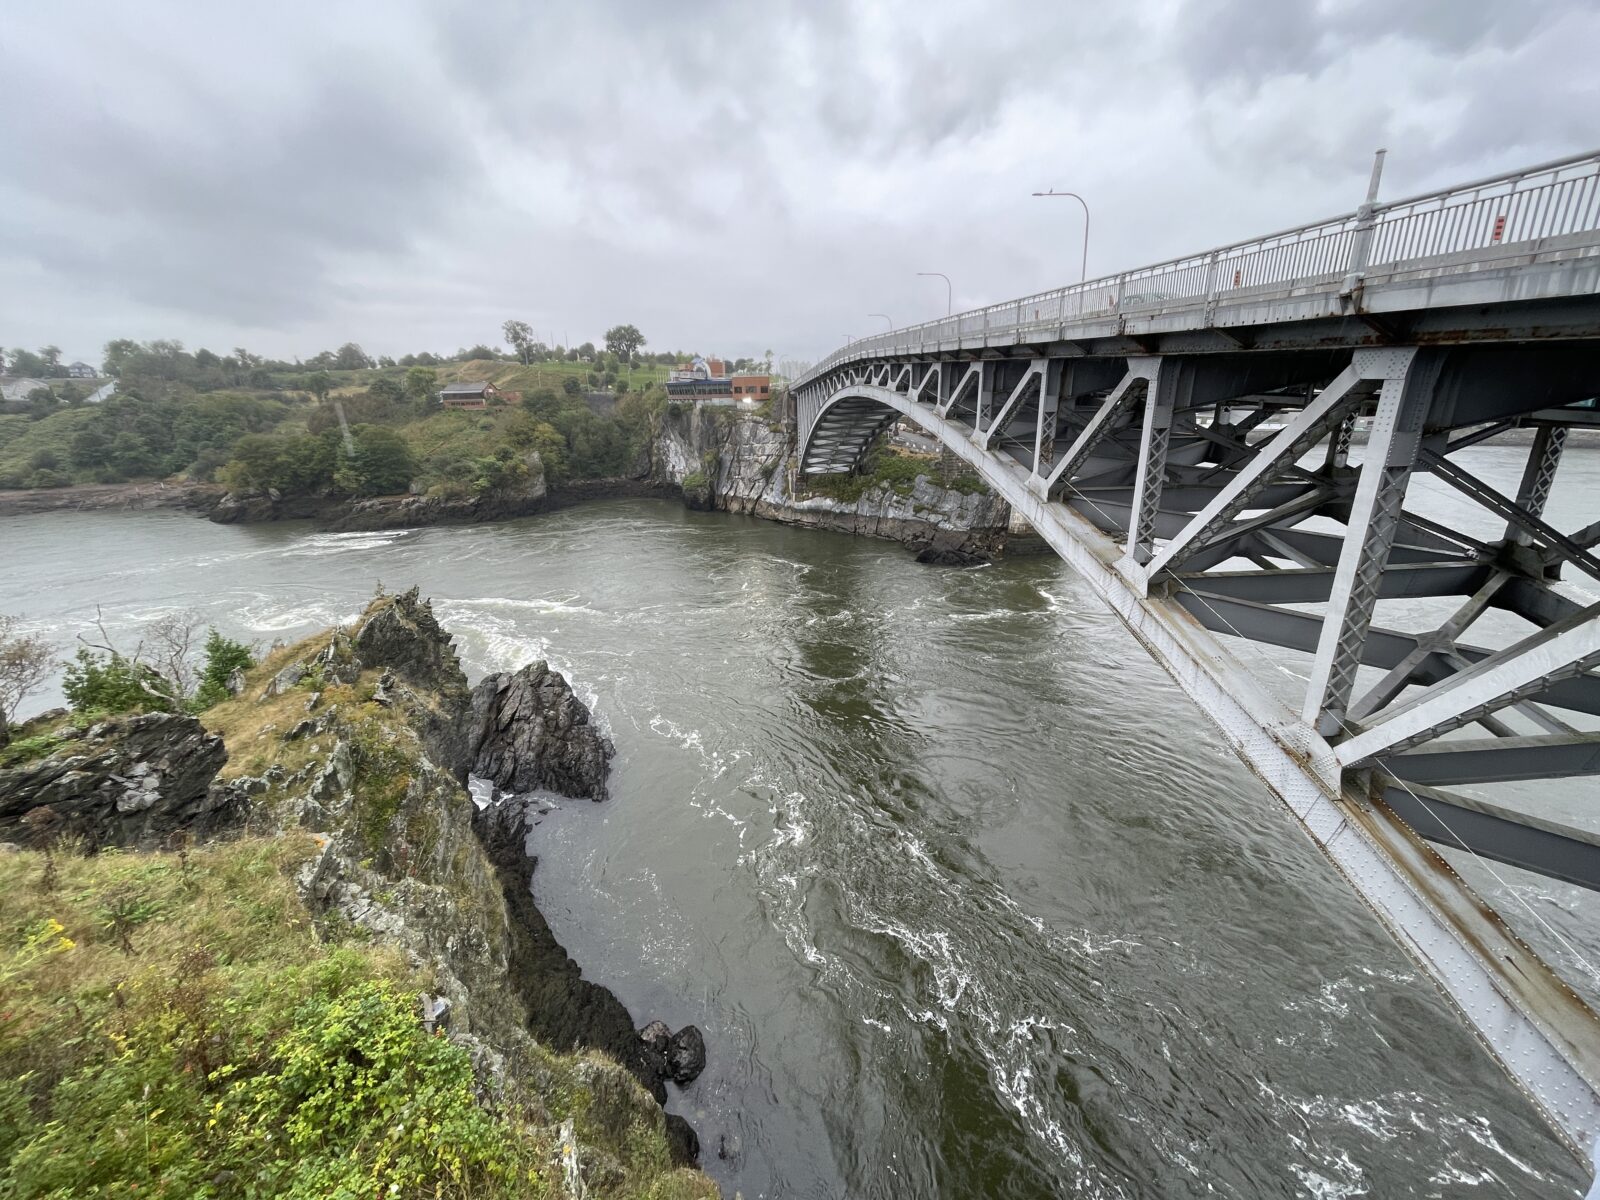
[
  {"x": 752, "y": 387},
  {"x": 468, "y": 395},
  {"x": 80, "y": 370}
]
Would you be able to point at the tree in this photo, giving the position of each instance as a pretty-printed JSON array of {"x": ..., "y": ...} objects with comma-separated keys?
[
  {"x": 319, "y": 384},
  {"x": 28, "y": 364},
  {"x": 223, "y": 658},
  {"x": 421, "y": 382},
  {"x": 382, "y": 463},
  {"x": 351, "y": 357},
  {"x": 52, "y": 358},
  {"x": 520, "y": 335},
  {"x": 26, "y": 661},
  {"x": 571, "y": 386},
  {"x": 624, "y": 341}
]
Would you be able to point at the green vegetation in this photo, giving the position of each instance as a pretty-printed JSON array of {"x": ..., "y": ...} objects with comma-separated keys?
[
  {"x": 887, "y": 467},
  {"x": 109, "y": 682},
  {"x": 883, "y": 467},
  {"x": 177, "y": 1026},
  {"x": 131, "y": 437},
  {"x": 223, "y": 658},
  {"x": 158, "y": 675}
]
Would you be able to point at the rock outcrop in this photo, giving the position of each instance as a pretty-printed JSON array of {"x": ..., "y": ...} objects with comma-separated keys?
[
  {"x": 528, "y": 732},
  {"x": 563, "y": 1009},
  {"x": 126, "y": 781},
  {"x": 376, "y": 761},
  {"x": 739, "y": 462}
]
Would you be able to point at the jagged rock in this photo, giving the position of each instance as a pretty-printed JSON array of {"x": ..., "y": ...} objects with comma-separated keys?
[
  {"x": 127, "y": 781},
  {"x": 235, "y": 683},
  {"x": 336, "y": 775},
  {"x": 284, "y": 680},
  {"x": 656, "y": 1037},
  {"x": 529, "y": 732},
  {"x": 404, "y": 639},
  {"x": 686, "y": 1054},
  {"x": 381, "y": 695}
]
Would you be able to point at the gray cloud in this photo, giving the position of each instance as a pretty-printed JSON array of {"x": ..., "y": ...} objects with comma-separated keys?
[{"x": 724, "y": 175}]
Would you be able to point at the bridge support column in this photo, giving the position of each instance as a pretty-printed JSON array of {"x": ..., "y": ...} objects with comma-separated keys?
[
  {"x": 1044, "y": 431},
  {"x": 1537, "y": 479},
  {"x": 1160, "y": 400},
  {"x": 1408, "y": 377}
]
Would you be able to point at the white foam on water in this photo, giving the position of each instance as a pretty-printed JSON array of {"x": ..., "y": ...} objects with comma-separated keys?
[{"x": 321, "y": 545}]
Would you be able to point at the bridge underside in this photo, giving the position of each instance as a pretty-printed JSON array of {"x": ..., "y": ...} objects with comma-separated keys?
[{"x": 1266, "y": 492}]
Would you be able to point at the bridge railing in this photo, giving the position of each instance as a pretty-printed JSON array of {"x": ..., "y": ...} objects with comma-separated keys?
[{"x": 1550, "y": 200}]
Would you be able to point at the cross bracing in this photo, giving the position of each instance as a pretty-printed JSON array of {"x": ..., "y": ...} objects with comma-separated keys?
[{"x": 1228, "y": 451}]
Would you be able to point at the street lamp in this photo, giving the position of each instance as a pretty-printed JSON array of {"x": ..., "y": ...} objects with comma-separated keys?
[
  {"x": 1083, "y": 269},
  {"x": 949, "y": 303},
  {"x": 885, "y": 316}
]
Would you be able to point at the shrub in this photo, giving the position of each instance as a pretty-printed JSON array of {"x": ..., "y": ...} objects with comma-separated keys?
[
  {"x": 112, "y": 683},
  {"x": 223, "y": 658}
]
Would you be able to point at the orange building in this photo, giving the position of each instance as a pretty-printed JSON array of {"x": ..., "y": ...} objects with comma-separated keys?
[{"x": 746, "y": 387}]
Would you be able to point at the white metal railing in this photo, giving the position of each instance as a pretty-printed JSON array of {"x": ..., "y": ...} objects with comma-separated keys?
[{"x": 1549, "y": 200}]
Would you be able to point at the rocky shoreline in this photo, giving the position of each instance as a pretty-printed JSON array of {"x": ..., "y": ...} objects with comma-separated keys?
[{"x": 367, "y": 739}]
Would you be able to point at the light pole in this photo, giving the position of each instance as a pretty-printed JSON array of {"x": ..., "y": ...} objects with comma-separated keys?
[
  {"x": 885, "y": 316},
  {"x": 1083, "y": 269},
  {"x": 949, "y": 302}
]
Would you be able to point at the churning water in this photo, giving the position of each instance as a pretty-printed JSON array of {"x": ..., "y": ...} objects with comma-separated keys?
[{"x": 967, "y": 897}]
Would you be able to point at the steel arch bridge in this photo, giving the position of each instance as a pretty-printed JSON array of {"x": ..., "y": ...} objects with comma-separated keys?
[{"x": 1181, "y": 435}]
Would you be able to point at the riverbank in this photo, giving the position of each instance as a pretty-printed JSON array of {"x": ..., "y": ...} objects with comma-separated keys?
[
  {"x": 343, "y": 762},
  {"x": 111, "y": 497}
]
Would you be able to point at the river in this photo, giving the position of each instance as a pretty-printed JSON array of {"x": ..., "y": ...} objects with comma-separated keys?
[{"x": 967, "y": 897}]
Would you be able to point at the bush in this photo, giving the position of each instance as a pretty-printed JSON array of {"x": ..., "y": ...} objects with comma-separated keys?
[
  {"x": 111, "y": 683},
  {"x": 223, "y": 658}
]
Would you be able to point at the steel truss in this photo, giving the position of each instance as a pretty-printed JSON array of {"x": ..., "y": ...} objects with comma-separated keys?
[{"x": 1213, "y": 494}]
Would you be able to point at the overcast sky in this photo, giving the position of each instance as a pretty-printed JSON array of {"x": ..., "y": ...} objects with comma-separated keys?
[{"x": 729, "y": 176}]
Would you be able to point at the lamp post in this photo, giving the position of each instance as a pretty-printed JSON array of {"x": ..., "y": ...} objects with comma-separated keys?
[
  {"x": 949, "y": 294},
  {"x": 885, "y": 316},
  {"x": 1083, "y": 269}
]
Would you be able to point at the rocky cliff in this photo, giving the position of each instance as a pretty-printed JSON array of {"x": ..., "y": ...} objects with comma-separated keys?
[
  {"x": 739, "y": 462},
  {"x": 365, "y": 737}
]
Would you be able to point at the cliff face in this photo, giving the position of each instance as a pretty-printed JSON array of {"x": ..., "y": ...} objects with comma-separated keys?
[
  {"x": 367, "y": 737},
  {"x": 364, "y": 738},
  {"x": 735, "y": 461}
]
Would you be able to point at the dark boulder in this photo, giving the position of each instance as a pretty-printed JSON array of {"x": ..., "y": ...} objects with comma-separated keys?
[
  {"x": 127, "y": 781},
  {"x": 682, "y": 1142},
  {"x": 946, "y": 556},
  {"x": 529, "y": 732},
  {"x": 686, "y": 1055}
]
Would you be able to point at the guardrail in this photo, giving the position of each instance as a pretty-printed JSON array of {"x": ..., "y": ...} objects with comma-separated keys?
[{"x": 1539, "y": 202}]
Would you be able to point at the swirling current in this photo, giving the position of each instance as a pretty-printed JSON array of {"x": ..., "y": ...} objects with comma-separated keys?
[{"x": 967, "y": 897}]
